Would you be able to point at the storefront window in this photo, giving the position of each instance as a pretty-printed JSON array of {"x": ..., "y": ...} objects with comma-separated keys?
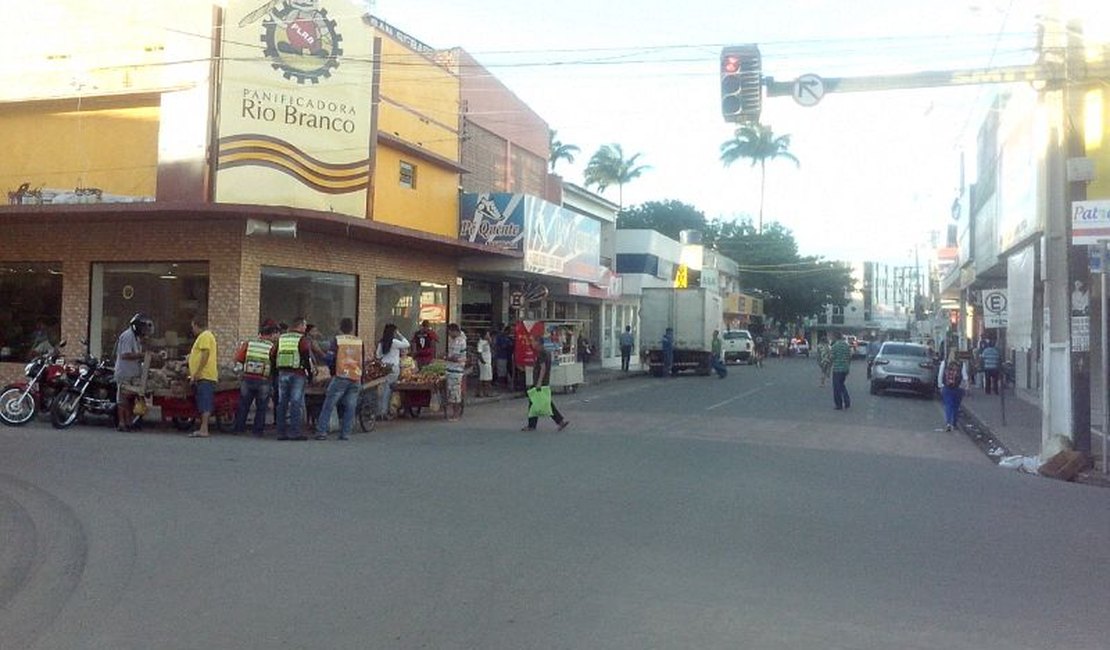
[
  {"x": 322, "y": 298},
  {"x": 406, "y": 304},
  {"x": 169, "y": 292},
  {"x": 31, "y": 293}
]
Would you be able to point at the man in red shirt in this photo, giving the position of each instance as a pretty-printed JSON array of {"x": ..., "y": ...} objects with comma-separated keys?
[{"x": 424, "y": 345}]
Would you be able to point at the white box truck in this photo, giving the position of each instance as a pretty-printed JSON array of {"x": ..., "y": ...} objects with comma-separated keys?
[{"x": 693, "y": 314}]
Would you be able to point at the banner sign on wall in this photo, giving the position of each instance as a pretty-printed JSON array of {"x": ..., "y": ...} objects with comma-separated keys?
[
  {"x": 1090, "y": 222},
  {"x": 294, "y": 125},
  {"x": 495, "y": 220}
]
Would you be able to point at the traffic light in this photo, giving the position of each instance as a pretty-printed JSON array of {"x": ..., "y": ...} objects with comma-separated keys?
[{"x": 741, "y": 83}]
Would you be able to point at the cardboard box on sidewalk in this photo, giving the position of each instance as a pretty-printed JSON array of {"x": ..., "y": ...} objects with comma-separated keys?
[{"x": 1065, "y": 465}]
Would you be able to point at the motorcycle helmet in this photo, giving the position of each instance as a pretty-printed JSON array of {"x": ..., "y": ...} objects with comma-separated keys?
[{"x": 141, "y": 324}]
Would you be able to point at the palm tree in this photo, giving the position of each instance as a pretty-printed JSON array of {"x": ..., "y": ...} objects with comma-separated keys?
[
  {"x": 758, "y": 143},
  {"x": 558, "y": 150},
  {"x": 609, "y": 167}
]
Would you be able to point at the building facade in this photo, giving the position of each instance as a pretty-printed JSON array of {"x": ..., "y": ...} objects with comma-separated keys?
[{"x": 305, "y": 177}]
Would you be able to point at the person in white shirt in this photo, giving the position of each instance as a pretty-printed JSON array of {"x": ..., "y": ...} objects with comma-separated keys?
[
  {"x": 456, "y": 367},
  {"x": 485, "y": 365},
  {"x": 389, "y": 352}
]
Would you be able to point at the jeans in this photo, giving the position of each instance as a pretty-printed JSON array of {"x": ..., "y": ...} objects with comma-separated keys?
[
  {"x": 340, "y": 391},
  {"x": 626, "y": 357},
  {"x": 991, "y": 382},
  {"x": 719, "y": 366},
  {"x": 255, "y": 391},
  {"x": 386, "y": 394},
  {"x": 951, "y": 398},
  {"x": 668, "y": 362},
  {"x": 290, "y": 410},
  {"x": 841, "y": 399}
]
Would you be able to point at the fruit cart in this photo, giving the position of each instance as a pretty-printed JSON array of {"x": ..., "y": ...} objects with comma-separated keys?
[
  {"x": 178, "y": 405},
  {"x": 417, "y": 396},
  {"x": 367, "y": 409}
]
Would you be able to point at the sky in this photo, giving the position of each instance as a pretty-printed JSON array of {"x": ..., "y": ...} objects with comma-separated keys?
[{"x": 878, "y": 172}]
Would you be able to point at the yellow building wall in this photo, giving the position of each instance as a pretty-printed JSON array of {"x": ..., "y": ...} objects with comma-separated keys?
[
  {"x": 420, "y": 105},
  {"x": 420, "y": 100},
  {"x": 433, "y": 206},
  {"x": 58, "y": 146},
  {"x": 1096, "y": 129}
]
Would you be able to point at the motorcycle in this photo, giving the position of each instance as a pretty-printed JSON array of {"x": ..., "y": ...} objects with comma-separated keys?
[
  {"x": 20, "y": 401},
  {"x": 90, "y": 390}
]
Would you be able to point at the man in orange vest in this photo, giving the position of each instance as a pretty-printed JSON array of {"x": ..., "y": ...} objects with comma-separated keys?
[{"x": 346, "y": 381}]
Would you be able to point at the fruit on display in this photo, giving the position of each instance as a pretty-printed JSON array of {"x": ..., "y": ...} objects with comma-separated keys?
[{"x": 375, "y": 369}]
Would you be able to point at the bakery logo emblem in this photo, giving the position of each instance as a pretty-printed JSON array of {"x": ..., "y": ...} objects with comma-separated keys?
[{"x": 299, "y": 38}]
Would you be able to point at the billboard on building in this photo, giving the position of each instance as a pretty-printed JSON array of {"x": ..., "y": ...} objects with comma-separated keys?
[
  {"x": 294, "y": 117},
  {"x": 561, "y": 243},
  {"x": 495, "y": 220}
]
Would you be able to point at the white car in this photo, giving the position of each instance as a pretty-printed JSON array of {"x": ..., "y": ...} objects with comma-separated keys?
[{"x": 738, "y": 345}]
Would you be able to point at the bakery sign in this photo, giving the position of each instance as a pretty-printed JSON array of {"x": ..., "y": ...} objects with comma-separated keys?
[{"x": 294, "y": 119}]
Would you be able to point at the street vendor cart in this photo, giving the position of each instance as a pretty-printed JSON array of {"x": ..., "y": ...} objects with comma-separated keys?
[
  {"x": 417, "y": 396},
  {"x": 366, "y": 412},
  {"x": 179, "y": 406},
  {"x": 562, "y": 342}
]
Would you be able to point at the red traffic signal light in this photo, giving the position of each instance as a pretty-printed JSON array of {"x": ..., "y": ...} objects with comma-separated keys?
[{"x": 741, "y": 83}]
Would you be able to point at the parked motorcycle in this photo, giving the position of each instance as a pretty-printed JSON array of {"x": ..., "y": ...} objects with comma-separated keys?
[
  {"x": 20, "y": 401},
  {"x": 90, "y": 390}
]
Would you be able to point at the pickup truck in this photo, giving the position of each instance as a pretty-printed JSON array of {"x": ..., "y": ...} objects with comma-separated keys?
[{"x": 738, "y": 345}]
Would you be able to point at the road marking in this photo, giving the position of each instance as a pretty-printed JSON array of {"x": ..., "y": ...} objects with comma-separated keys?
[{"x": 741, "y": 395}]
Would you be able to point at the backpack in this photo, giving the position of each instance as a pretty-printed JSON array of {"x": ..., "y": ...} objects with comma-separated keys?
[{"x": 952, "y": 375}]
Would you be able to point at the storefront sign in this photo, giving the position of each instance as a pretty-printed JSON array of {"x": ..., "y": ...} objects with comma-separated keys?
[
  {"x": 495, "y": 220},
  {"x": 294, "y": 127},
  {"x": 1090, "y": 222},
  {"x": 433, "y": 313}
]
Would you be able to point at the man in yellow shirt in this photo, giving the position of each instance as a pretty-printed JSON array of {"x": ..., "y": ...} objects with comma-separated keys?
[{"x": 203, "y": 372}]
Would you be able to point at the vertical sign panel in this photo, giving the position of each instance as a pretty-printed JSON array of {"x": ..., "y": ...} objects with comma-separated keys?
[{"x": 294, "y": 121}]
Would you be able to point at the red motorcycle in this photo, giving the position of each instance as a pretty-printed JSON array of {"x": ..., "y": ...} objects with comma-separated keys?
[{"x": 21, "y": 400}]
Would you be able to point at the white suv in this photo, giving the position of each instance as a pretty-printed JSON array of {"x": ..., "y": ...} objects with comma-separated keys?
[{"x": 738, "y": 345}]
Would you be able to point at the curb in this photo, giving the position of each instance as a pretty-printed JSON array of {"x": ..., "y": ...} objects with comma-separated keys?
[
  {"x": 982, "y": 436},
  {"x": 589, "y": 380}
]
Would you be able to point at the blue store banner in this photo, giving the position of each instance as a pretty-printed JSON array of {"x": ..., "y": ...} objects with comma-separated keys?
[{"x": 495, "y": 220}]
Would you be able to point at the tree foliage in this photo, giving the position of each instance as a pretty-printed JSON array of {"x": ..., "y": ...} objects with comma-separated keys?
[
  {"x": 757, "y": 143},
  {"x": 559, "y": 150},
  {"x": 666, "y": 217},
  {"x": 793, "y": 287},
  {"x": 608, "y": 166}
]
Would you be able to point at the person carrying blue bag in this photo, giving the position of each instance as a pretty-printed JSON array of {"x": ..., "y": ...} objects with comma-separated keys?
[{"x": 539, "y": 395}]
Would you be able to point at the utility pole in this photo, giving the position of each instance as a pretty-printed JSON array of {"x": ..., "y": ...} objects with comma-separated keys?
[{"x": 1061, "y": 70}]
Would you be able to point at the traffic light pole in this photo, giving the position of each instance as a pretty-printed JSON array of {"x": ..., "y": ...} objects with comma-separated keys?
[
  {"x": 929, "y": 79},
  {"x": 1066, "y": 393}
]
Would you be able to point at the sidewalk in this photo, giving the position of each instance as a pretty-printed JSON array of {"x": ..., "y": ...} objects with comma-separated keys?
[
  {"x": 593, "y": 374},
  {"x": 1012, "y": 427}
]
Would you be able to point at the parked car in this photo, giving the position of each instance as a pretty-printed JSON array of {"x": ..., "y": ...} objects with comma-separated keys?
[
  {"x": 799, "y": 346},
  {"x": 904, "y": 367},
  {"x": 738, "y": 345}
]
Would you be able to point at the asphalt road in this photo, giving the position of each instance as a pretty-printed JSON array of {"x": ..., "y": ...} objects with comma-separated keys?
[{"x": 673, "y": 513}]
